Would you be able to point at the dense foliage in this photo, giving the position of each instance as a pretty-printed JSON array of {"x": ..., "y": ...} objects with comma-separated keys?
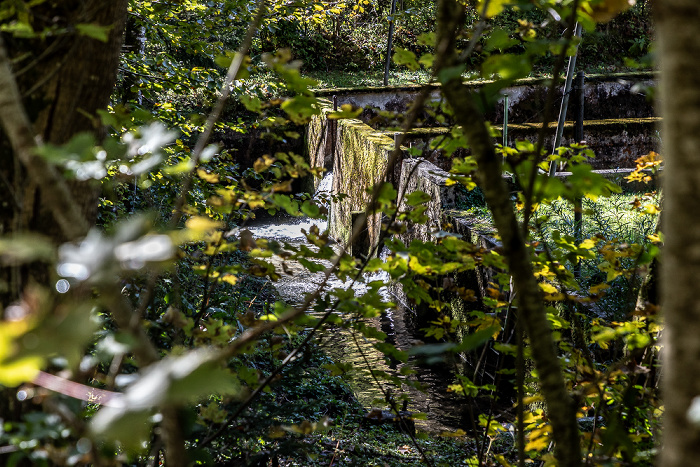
[{"x": 159, "y": 336}]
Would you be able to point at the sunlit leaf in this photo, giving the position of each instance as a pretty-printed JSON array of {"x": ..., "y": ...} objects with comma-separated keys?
[{"x": 94, "y": 31}]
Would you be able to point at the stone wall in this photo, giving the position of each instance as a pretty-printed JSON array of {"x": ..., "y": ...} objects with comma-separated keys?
[
  {"x": 610, "y": 96},
  {"x": 419, "y": 174},
  {"x": 616, "y": 143},
  {"x": 358, "y": 156}
]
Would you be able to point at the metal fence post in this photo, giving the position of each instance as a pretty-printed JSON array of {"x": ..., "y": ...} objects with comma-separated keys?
[{"x": 578, "y": 138}]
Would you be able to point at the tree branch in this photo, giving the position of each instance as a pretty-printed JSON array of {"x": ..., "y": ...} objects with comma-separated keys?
[
  {"x": 561, "y": 410},
  {"x": 21, "y": 135}
]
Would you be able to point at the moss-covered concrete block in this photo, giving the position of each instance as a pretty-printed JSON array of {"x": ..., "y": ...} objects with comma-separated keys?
[
  {"x": 360, "y": 161},
  {"x": 421, "y": 175}
]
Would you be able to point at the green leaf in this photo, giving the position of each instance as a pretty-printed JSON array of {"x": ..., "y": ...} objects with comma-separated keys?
[
  {"x": 387, "y": 195},
  {"x": 507, "y": 66},
  {"x": 224, "y": 61},
  {"x": 300, "y": 108},
  {"x": 417, "y": 197},
  {"x": 427, "y": 60},
  {"x": 94, "y": 31},
  {"x": 310, "y": 209},
  {"x": 405, "y": 57},
  {"x": 346, "y": 111},
  {"x": 428, "y": 39},
  {"x": 477, "y": 339},
  {"x": 499, "y": 39},
  {"x": 493, "y": 7},
  {"x": 448, "y": 74},
  {"x": 251, "y": 103}
]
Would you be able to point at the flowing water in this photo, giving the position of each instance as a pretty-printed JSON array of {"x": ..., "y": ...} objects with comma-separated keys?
[{"x": 444, "y": 410}]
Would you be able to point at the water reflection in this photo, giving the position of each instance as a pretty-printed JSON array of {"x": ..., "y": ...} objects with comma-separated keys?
[{"x": 444, "y": 410}]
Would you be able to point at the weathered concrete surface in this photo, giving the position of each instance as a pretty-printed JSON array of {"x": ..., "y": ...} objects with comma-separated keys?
[
  {"x": 320, "y": 139},
  {"x": 616, "y": 143},
  {"x": 443, "y": 215},
  {"x": 607, "y": 96},
  {"x": 360, "y": 162},
  {"x": 421, "y": 175},
  {"x": 359, "y": 156}
]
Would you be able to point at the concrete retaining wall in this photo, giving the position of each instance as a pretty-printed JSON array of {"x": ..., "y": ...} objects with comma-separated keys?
[
  {"x": 616, "y": 143},
  {"x": 359, "y": 156},
  {"x": 619, "y": 95}
]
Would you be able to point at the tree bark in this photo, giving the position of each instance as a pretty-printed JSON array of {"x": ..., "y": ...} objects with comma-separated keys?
[
  {"x": 62, "y": 80},
  {"x": 677, "y": 26},
  {"x": 531, "y": 310},
  {"x": 52, "y": 93}
]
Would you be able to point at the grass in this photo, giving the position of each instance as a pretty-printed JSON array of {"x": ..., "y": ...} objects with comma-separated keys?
[
  {"x": 378, "y": 446},
  {"x": 610, "y": 217},
  {"x": 341, "y": 79},
  {"x": 612, "y": 220}
]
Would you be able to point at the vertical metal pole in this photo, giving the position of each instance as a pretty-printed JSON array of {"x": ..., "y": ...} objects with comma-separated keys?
[
  {"x": 332, "y": 135},
  {"x": 578, "y": 137},
  {"x": 578, "y": 129},
  {"x": 389, "y": 43},
  {"x": 565, "y": 100},
  {"x": 505, "y": 120}
]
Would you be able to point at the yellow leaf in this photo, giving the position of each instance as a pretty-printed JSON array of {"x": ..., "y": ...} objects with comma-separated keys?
[
  {"x": 493, "y": 8},
  {"x": 548, "y": 288},
  {"x": 651, "y": 209},
  {"x": 263, "y": 163},
  {"x": 230, "y": 278},
  {"x": 17, "y": 370},
  {"x": 285, "y": 186},
  {"x": 201, "y": 224},
  {"x": 655, "y": 238},
  {"x": 197, "y": 228},
  {"x": 603, "y": 11},
  {"x": 20, "y": 371},
  {"x": 595, "y": 289},
  {"x": 538, "y": 439},
  {"x": 529, "y": 417},
  {"x": 587, "y": 244},
  {"x": 208, "y": 177}
]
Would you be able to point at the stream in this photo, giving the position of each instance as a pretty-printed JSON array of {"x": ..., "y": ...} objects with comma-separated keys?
[{"x": 445, "y": 411}]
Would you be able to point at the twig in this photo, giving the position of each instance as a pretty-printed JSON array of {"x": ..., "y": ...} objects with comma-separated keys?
[{"x": 218, "y": 109}]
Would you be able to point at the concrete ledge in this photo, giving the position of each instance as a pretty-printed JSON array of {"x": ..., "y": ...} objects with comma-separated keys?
[{"x": 607, "y": 96}]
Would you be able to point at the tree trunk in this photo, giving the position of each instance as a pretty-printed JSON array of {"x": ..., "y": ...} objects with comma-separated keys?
[
  {"x": 62, "y": 81},
  {"x": 677, "y": 25},
  {"x": 531, "y": 310}
]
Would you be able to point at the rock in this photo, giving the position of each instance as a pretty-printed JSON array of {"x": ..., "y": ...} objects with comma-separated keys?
[{"x": 403, "y": 421}]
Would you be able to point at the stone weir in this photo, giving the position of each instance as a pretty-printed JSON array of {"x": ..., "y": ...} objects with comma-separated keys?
[{"x": 624, "y": 129}]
